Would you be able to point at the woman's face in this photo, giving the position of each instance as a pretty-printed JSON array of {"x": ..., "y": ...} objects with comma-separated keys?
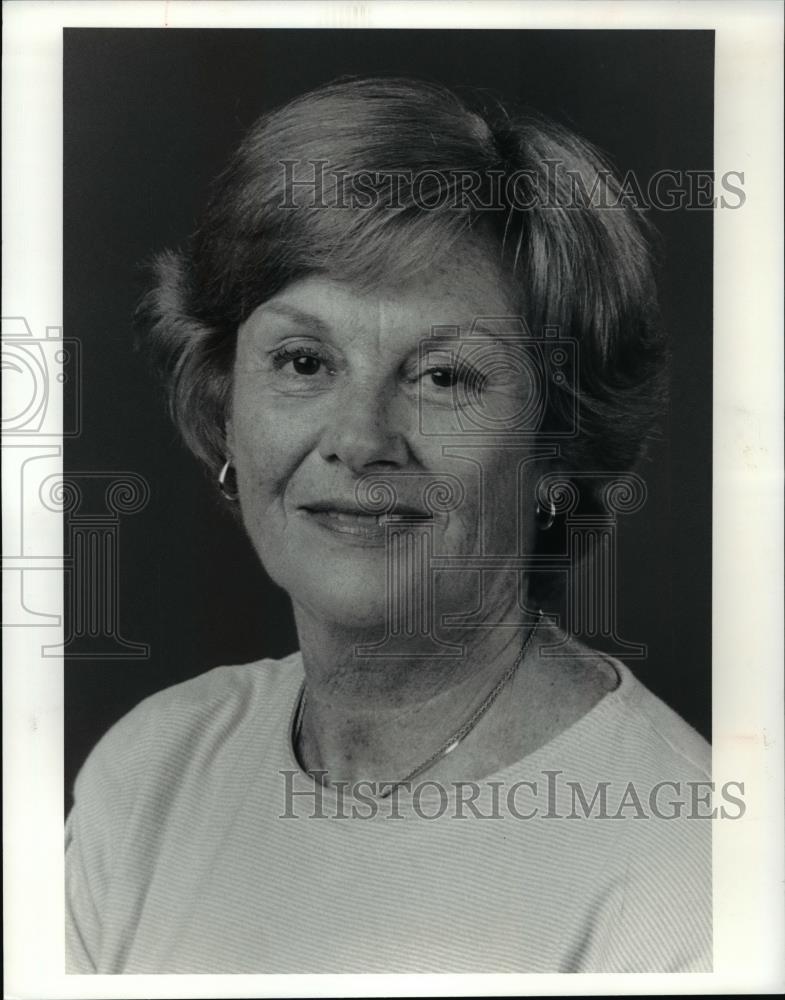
[{"x": 331, "y": 385}]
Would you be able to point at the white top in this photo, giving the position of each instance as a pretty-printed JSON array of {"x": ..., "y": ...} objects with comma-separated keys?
[{"x": 186, "y": 855}]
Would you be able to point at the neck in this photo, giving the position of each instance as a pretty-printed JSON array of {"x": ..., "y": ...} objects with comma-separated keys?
[{"x": 378, "y": 718}]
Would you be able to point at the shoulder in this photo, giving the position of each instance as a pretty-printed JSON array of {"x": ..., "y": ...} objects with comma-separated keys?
[
  {"x": 158, "y": 781},
  {"x": 656, "y": 770},
  {"x": 624, "y": 727},
  {"x": 659, "y": 736},
  {"x": 660, "y": 801},
  {"x": 173, "y": 728},
  {"x": 662, "y": 879}
]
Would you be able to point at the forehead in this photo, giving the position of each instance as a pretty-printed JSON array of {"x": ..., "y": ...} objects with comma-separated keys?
[{"x": 452, "y": 292}]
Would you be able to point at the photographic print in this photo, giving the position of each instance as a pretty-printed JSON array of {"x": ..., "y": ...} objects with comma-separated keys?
[{"x": 380, "y": 428}]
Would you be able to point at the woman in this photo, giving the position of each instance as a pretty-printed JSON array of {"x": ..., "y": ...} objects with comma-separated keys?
[{"x": 359, "y": 343}]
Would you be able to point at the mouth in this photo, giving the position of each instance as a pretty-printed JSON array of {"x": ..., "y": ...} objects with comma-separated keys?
[{"x": 350, "y": 521}]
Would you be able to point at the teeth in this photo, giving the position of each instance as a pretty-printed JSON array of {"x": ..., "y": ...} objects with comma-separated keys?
[
  {"x": 406, "y": 517},
  {"x": 345, "y": 518}
]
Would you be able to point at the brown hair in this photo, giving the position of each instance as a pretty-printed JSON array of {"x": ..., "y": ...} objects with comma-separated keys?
[{"x": 543, "y": 202}]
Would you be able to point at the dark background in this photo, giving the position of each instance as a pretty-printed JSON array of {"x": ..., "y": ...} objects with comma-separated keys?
[{"x": 150, "y": 116}]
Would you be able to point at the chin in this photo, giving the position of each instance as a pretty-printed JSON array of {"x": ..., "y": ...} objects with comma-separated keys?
[
  {"x": 346, "y": 586},
  {"x": 345, "y": 591},
  {"x": 351, "y": 605}
]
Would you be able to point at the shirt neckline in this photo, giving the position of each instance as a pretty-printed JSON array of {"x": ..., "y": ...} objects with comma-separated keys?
[{"x": 527, "y": 764}]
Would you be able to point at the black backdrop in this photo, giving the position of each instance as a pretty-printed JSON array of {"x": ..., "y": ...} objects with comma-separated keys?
[{"x": 150, "y": 116}]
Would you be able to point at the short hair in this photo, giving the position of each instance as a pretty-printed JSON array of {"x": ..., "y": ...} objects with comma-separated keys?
[{"x": 546, "y": 207}]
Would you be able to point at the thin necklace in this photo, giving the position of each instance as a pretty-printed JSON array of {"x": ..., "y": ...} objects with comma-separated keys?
[{"x": 457, "y": 737}]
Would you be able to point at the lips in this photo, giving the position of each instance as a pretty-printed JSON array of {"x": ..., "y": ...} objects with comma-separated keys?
[{"x": 350, "y": 520}]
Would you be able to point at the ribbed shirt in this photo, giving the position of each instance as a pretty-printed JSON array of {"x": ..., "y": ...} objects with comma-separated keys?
[{"x": 197, "y": 845}]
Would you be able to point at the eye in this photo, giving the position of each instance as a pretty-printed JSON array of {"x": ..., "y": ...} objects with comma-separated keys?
[
  {"x": 447, "y": 376},
  {"x": 300, "y": 360},
  {"x": 444, "y": 378},
  {"x": 304, "y": 364}
]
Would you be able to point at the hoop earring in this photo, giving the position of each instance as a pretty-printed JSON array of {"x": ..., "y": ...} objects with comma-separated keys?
[
  {"x": 231, "y": 497},
  {"x": 544, "y": 522}
]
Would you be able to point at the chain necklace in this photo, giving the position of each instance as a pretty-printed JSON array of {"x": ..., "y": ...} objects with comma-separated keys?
[{"x": 457, "y": 737}]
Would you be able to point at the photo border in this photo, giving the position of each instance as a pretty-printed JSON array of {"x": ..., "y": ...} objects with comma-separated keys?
[{"x": 749, "y": 868}]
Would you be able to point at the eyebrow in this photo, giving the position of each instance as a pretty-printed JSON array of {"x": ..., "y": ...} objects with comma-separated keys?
[
  {"x": 306, "y": 319},
  {"x": 318, "y": 326},
  {"x": 472, "y": 331}
]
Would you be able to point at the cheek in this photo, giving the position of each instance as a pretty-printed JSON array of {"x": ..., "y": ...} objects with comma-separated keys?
[
  {"x": 499, "y": 500},
  {"x": 489, "y": 477},
  {"x": 268, "y": 447}
]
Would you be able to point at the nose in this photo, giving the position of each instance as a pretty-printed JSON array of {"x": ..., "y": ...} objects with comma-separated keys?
[{"x": 361, "y": 432}]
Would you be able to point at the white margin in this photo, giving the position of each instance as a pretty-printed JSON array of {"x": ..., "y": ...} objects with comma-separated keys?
[{"x": 747, "y": 509}]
